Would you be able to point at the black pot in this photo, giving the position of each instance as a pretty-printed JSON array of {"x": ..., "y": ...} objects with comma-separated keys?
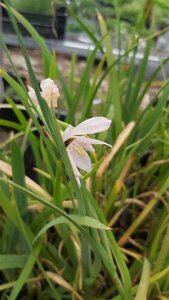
[{"x": 46, "y": 26}]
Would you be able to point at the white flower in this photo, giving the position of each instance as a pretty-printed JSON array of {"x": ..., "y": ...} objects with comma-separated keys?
[
  {"x": 49, "y": 92},
  {"x": 77, "y": 144}
]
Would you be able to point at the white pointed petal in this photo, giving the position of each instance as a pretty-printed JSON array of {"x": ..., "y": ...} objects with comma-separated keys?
[
  {"x": 67, "y": 134},
  {"x": 32, "y": 95},
  {"x": 88, "y": 147},
  {"x": 87, "y": 141},
  {"x": 80, "y": 157},
  {"x": 74, "y": 168},
  {"x": 92, "y": 125}
]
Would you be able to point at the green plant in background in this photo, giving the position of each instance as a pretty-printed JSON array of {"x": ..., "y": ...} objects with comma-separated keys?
[
  {"x": 129, "y": 12},
  {"x": 57, "y": 242},
  {"x": 40, "y": 7}
]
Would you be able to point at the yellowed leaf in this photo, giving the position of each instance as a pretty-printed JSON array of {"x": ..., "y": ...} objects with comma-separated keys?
[
  {"x": 119, "y": 142},
  {"x": 32, "y": 185},
  {"x": 61, "y": 281}
]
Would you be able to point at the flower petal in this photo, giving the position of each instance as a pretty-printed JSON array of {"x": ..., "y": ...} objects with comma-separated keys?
[
  {"x": 74, "y": 168},
  {"x": 67, "y": 134},
  {"x": 85, "y": 142},
  {"x": 92, "y": 125},
  {"x": 80, "y": 157},
  {"x": 49, "y": 92},
  {"x": 47, "y": 84},
  {"x": 32, "y": 95}
]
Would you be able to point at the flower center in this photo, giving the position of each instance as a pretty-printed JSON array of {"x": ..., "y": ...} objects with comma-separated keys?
[{"x": 68, "y": 142}]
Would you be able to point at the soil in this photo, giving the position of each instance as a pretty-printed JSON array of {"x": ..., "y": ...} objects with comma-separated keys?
[{"x": 63, "y": 62}]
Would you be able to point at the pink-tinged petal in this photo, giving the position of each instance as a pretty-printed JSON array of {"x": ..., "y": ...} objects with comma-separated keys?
[
  {"x": 92, "y": 125},
  {"x": 84, "y": 141},
  {"x": 74, "y": 168},
  {"x": 67, "y": 134},
  {"x": 32, "y": 95},
  {"x": 88, "y": 147},
  {"x": 80, "y": 157}
]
